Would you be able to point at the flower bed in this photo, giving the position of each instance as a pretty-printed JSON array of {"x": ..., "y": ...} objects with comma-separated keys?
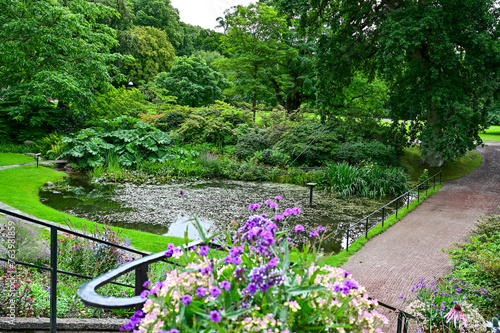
[{"x": 264, "y": 283}]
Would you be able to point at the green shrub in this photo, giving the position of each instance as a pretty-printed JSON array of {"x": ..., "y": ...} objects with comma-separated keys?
[
  {"x": 367, "y": 181},
  {"x": 115, "y": 103},
  {"x": 358, "y": 152},
  {"x": 249, "y": 144},
  {"x": 51, "y": 146},
  {"x": 488, "y": 226},
  {"x": 273, "y": 157},
  {"x": 198, "y": 129},
  {"x": 131, "y": 140},
  {"x": 170, "y": 121}
]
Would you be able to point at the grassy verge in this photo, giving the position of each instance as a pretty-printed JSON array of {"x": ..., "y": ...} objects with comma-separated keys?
[
  {"x": 19, "y": 189},
  {"x": 342, "y": 257},
  {"x": 412, "y": 162},
  {"x": 11, "y": 158},
  {"x": 491, "y": 134}
]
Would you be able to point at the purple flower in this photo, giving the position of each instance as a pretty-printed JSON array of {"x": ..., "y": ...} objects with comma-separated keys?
[
  {"x": 273, "y": 205},
  {"x": 205, "y": 270},
  {"x": 215, "y": 316},
  {"x": 203, "y": 250},
  {"x": 181, "y": 193},
  {"x": 296, "y": 210},
  {"x": 133, "y": 321},
  {"x": 313, "y": 234},
  {"x": 251, "y": 288},
  {"x": 225, "y": 285},
  {"x": 145, "y": 284},
  {"x": 272, "y": 263},
  {"x": 201, "y": 292},
  {"x": 278, "y": 198},
  {"x": 299, "y": 228},
  {"x": 236, "y": 251},
  {"x": 214, "y": 291},
  {"x": 236, "y": 260},
  {"x": 144, "y": 293},
  {"x": 269, "y": 202},
  {"x": 254, "y": 206},
  {"x": 186, "y": 299},
  {"x": 278, "y": 217},
  {"x": 320, "y": 228}
]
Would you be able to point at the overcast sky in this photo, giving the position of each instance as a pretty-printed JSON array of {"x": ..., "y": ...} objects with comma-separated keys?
[{"x": 205, "y": 12}]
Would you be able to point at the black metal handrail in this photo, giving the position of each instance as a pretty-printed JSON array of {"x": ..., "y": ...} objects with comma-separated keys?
[
  {"x": 53, "y": 260},
  {"x": 404, "y": 195}
]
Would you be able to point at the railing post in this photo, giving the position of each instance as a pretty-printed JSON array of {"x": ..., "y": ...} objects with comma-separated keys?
[
  {"x": 400, "y": 322},
  {"x": 366, "y": 227},
  {"x": 440, "y": 180},
  {"x": 383, "y": 216},
  {"x": 347, "y": 241},
  {"x": 141, "y": 276},
  {"x": 434, "y": 181},
  {"x": 408, "y": 202},
  {"x": 53, "y": 280},
  {"x": 418, "y": 193},
  {"x": 397, "y": 207},
  {"x": 426, "y": 187}
]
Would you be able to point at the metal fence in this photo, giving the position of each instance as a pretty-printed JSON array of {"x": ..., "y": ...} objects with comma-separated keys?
[{"x": 405, "y": 202}]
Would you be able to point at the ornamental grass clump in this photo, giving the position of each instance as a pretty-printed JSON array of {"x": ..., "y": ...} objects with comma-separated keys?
[
  {"x": 446, "y": 306},
  {"x": 260, "y": 283}
]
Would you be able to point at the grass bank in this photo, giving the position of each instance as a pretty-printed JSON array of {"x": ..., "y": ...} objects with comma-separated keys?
[
  {"x": 339, "y": 259},
  {"x": 19, "y": 189},
  {"x": 412, "y": 162},
  {"x": 491, "y": 134},
  {"x": 11, "y": 158}
]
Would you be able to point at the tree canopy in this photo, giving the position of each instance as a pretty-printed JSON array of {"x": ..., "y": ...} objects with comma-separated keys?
[
  {"x": 52, "y": 54},
  {"x": 439, "y": 59},
  {"x": 193, "y": 82}
]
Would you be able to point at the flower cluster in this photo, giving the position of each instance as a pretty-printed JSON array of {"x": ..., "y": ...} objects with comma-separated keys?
[
  {"x": 260, "y": 285},
  {"x": 443, "y": 304}
]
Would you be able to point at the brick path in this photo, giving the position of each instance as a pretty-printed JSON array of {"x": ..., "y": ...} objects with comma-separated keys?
[{"x": 392, "y": 262}]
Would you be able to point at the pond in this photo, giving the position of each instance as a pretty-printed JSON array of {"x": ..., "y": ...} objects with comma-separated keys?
[{"x": 218, "y": 205}]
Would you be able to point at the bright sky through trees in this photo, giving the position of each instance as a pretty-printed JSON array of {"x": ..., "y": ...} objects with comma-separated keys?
[{"x": 204, "y": 13}]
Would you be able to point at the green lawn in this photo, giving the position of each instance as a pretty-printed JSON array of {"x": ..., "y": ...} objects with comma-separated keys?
[
  {"x": 11, "y": 158},
  {"x": 412, "y": 162},
  {"x": 19, "y": 188},
  {"x": 491, "y": 134}
]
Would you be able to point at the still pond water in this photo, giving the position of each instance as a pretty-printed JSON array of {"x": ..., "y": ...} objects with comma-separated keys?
[{"x": 161, "y": 210}]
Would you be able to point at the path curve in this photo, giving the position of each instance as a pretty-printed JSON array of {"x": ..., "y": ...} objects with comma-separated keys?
[{"x": 392, "y": 262}]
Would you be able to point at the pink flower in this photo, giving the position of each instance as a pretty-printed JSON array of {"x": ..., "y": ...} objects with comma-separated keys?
[{"x": 456, "y": 313}]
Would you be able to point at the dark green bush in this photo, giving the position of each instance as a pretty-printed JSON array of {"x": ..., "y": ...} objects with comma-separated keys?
[
  {"x": 198, "y": 129},
  {"x": 250, "y": 143},
  {"x": 273, "y": 157},
  {"x": 358, "y": 152},
  {"x": 299, "y": 137},
  {"x": 170, "y": 121},
  {"x": 488, "y": 225}
]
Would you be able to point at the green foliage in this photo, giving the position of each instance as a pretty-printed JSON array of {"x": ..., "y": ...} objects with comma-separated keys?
[
  {"x": 438, "y": 58},
  {"x": 193, "y": 82},
  {"x": 170, "y": 121},
  {"x": 17, "y": 148},
  {"x": 273, "y": 157},
  {"x": 152, "y": 51},
  {"x": 359, "y": 152},
  {"x": 249, "y": 144},
  {"x": 476, "y": 261},
  {"x": 53, "y": 57},
  {"x": 51, "y": 146},
  {"x": 129, "y": 139},
  {"x": 115, "y": 103},
  {"x": 198, "y": 129},
  {"x": 161, "y": 15},
  {"x": 367, "y": 181}
]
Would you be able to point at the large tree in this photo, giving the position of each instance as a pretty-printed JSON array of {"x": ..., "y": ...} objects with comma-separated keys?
[
  {"x": 193, "y": 82},
  {"x": 53, "y": 54},
  {"x": 440, "y": 59},
  {"x": 266, "y": 58}
]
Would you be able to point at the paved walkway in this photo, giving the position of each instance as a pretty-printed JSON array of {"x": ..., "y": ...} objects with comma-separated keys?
[{"x": 392, "y": 262}]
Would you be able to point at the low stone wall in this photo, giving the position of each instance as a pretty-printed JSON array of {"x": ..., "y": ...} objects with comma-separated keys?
[{"x": 64, "y": 325}]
